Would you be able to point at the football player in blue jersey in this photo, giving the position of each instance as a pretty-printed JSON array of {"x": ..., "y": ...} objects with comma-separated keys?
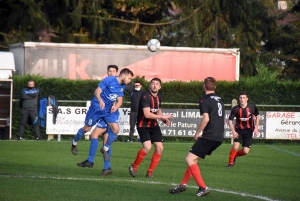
[
  {"x": 112, "y": 70},
  {"x": 107, "y": 100},
  {"x": 109, "y": 137}
]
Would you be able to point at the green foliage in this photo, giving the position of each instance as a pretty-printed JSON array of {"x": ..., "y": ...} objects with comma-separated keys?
[
  {"x": 263, "y": 73},
  {"x": 281, "y": 50},
  {"x": 227, "y": 24}
]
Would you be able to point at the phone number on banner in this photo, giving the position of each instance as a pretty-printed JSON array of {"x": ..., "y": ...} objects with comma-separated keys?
[{"x": 175, "y": 132}]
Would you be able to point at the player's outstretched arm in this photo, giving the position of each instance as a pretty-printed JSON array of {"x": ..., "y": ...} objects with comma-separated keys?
[
  {"x": 205, "y": 120},
  {"x": 117, "y": 104},
  {"x": 166, "y": 121},
  {"x": 151, "y": 115},
  {"x": 97, "y": 95}
]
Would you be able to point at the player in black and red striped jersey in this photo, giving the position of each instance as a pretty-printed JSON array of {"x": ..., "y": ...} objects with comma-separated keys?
[
  {"x": 246, "y": 125},
  {"x": 149, "y": 112}
]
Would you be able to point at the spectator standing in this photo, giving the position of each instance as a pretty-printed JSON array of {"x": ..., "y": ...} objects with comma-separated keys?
[
  {"x": 29, "y": 109},
  {"x": 135, "y": 99}
]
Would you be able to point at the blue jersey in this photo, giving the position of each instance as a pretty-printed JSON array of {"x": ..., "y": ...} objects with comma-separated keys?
[{"x": 111, "y": 89}]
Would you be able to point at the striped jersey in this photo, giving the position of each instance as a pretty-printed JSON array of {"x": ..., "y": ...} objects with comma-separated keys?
[
  {"x": 147, "y": 100},
  {"x": 244, "y": 116}
]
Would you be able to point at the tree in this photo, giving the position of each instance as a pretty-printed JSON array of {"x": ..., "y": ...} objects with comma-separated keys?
[
  {"x": 81, "y": 21},
  {"x": 19, "y": 21},
  {"x": 226, "y": 24},
  {"x": 193, "y": 23},
  {"x": 32, "y": 20},
  {"x": 282, "y": 49}
]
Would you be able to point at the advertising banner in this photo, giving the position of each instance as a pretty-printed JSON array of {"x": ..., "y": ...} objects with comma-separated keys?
[
  {"x": 73, "y": 61},
  {"x": 68, "y": 121},
  {"x": 283, "y": 125},
  {"x": 184, "y": 124}
]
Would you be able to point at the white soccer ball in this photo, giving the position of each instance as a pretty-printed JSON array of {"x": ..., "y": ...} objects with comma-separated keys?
[{"x": 153, "y": 45}]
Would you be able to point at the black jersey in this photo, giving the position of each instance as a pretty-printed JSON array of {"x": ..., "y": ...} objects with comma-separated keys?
[
  {"x": 244, "y": 116},
  {"x": 214, "y": 106},
  {"x": 154, "y": 103},
  {"x": 135, "y": 99}
]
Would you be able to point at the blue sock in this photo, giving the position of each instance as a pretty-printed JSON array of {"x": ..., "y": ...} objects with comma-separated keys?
[
  {"x": 107, "y": 163},
  {"x": 93, "y": 149},
  {"x": 79, "y": 135},
  {"x": 111, "y": 138}
]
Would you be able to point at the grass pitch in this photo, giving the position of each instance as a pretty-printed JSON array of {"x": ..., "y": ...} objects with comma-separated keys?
[{"x": 42, "y": 170}]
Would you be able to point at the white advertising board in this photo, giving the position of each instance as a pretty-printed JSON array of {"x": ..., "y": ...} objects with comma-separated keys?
[
  {"x": 70, "y": 119},
  {"x": 283, "y": 125}
]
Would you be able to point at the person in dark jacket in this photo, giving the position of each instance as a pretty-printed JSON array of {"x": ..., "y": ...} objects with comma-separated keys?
[
  {"x": 29, "y": 104},
  {"x": 135, "y": 98}
]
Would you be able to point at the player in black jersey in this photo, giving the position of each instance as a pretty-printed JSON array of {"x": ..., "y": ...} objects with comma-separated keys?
[
  {"x": 209, "y": 136},
  {"x": 244, "y": 127},
  {"x": 149, "y": 112}
]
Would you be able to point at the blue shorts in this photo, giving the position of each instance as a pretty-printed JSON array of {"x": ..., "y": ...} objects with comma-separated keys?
[
  {"x": 112, "y": 118},
  {"x": 96, "y": 115}
]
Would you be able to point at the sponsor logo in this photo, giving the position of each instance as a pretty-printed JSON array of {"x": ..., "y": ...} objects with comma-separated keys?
[
  {"x": 112, "y": 97},
  {"x": 245, "y": 119},
  {"x": 153, "y": 110},
  {"x": 217, "y": 98}
]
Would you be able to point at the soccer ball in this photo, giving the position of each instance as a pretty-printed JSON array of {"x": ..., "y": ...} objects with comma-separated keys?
[{"x": 153, "y": 45}]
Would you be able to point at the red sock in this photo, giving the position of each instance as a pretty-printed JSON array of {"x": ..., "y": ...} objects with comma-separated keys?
[
  {"x": 154, "y": 162},
  {"x": 232, "y": 155},
  {"x": 186, "y": 177},
  {"x": 195, "y": 171},
  {"x": 240, "y": 153},
  {"x": 139, "y": 158}
]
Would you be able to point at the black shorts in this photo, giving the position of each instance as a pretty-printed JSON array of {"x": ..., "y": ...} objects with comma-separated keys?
[
  {"x": 246, "y": 136},
  {"x": 203, "y": 147},
  {"x": 153, "y": 133}
]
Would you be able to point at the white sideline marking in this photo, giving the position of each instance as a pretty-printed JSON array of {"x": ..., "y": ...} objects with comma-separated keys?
[
  {"x": 136, "y": 181},
  {"x": 289, "y": 152}
]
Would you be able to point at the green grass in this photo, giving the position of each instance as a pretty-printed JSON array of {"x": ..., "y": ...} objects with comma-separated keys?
[{"x": 31, "y": 170}]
